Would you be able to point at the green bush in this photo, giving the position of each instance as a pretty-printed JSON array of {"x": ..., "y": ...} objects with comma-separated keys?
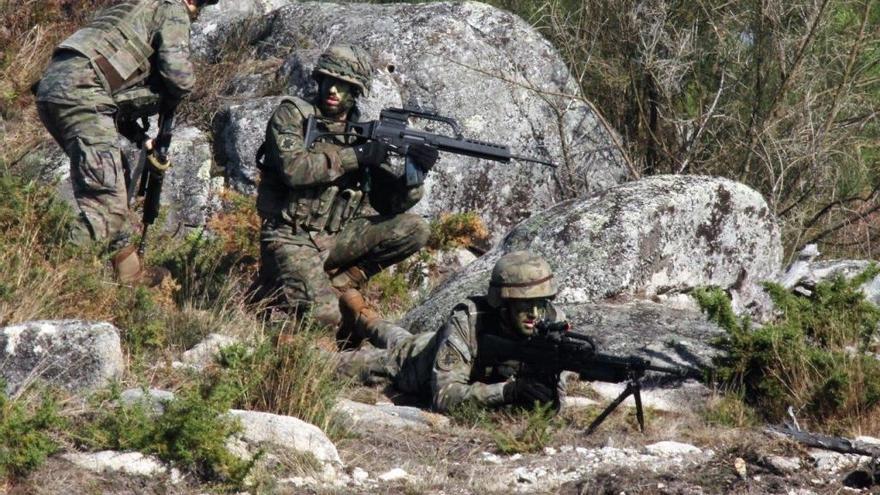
[
  {"x": 27, "y": 427},
  {"x": 191, "y": 431},
  {"x": 533, "y": 436},
  {"x": 815, "y": 356}
]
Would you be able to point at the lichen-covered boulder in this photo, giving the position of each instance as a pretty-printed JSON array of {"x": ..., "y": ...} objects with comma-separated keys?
[
  {"x": 75, "y": 355},
  {"x": 483, "y": 66},
  {"x": 240, "y": 130},
  {"x": 286, "y": 432},
  {"x": 650, "y": 238},
  {"x": 188, "y": 191}
]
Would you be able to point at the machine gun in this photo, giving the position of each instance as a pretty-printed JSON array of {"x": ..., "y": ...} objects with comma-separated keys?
[
  {"x": 393, "y": 129},
  {"x": 554, "y": 348},
  {"x": 154, "y": 171}
]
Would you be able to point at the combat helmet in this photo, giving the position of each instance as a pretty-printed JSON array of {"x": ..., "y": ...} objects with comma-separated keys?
[
  {"x": 348, "y": 63},
  {"x": 520, "y": 275}
]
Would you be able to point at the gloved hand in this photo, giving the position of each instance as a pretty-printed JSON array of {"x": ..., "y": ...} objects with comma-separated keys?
[
  {"x": 423, "y": 155},
  {"x": 371, "y": 153},
  {"x": 526, "y": 391}
]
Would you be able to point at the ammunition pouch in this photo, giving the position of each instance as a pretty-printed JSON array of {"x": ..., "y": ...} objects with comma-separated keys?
[
  {"x": 325, "y": 210},
  {"x": 137, "y": 102}
]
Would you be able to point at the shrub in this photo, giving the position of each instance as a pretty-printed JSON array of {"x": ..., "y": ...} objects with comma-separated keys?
[
  {"x": 295, "y": 378},
  {"x": 27, "y": 426},
  {"x": 534, "y": 435},
  {"x": 191, "y": 432},
  {"x": 453, "y": 230},
  {"x": 814, "y": 357}
]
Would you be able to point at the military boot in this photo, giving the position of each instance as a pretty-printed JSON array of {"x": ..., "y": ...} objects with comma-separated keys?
[
  {"x": 357, "y": 319},
  {"x": 129, "y": 270}
]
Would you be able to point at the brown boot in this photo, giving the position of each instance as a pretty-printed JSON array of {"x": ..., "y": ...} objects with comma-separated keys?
[
  {"x": 130, "y": 271},
  {"x": 350, "y": 278},
  {"x": 357, "y": 316}
]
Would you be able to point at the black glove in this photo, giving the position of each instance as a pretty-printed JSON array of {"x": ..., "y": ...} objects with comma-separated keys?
[
  {"x": 423, "y": 155},
  {"x": 525, "y": 392},
  {"x": 371, "y": 153}
]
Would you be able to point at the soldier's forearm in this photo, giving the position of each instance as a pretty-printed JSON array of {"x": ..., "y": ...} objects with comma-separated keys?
[{"x": 480, "y": 394}]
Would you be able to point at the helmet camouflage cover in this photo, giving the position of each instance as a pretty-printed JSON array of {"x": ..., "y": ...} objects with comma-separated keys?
[
  {"x": 520, "y": 275},
  {"x": 348, "y": 63}
]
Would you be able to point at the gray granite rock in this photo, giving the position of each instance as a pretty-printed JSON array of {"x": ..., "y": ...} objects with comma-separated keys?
[
  {"x": 357, "y": 416},
  {"x": 483, "y": 66},
  {"x": 286, "y": 432},
  {"x": 654, "y": 237},
  {"x": 130, "y": 463},
  {"x": 239, "y": 130},
  {"x": 76, "y": 355}
]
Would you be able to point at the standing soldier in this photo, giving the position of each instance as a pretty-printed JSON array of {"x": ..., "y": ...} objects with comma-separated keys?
[
  {"x": 447, "y": 366},
  {"x": 317, "y": 236},
  {"x": 132, "y": 58}
]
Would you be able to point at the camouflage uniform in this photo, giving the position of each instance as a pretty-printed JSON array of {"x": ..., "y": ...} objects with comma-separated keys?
[
  {"x": 313, "y": 202},
  {"x": 315, "y": 218},
  {"x": 128, "y": 46},
  {"x": 445, "y": 364}
]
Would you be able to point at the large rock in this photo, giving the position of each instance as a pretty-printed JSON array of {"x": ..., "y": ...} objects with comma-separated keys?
[
  {"x": 239, "y": 131},
  {"x": 654, "y": 237},
  {"x": 220, "y": 21},
  {"x": 357, "y": 416},
  {"x": 286, "y": 432},
  {"x": 188, "y": 191},
  {"x": 485, "y": 67},
  {"x": 75, "y": 355}
]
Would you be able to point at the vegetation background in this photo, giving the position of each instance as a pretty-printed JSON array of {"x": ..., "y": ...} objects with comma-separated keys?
[{"x": 783, "y": 95}]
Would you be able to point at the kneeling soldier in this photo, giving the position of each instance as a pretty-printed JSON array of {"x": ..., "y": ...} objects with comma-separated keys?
[{"x": 318, "y": 236}]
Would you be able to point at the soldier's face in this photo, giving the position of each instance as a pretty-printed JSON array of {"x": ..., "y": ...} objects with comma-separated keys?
[
  {"x": 337, "y": 96},
  {"x": 523, "y": 314}
]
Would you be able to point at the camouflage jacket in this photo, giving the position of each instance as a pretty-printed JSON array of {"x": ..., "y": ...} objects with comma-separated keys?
[
  {"x": 320, "y": 189},
  {"x": 133, "y": 43},
  {"x": 448, "y": 362}
]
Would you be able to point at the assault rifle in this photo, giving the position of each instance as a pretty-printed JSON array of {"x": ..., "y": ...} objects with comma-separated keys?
[
  {"x": 554, "y": 348},
  {"x": 393, "y": 129},
  {"x": 154, "y": 171}
]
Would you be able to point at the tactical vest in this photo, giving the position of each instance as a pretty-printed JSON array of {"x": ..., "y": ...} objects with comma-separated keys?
[
  {"x": 321, "y": 208},
  {"x": 118, "y": 43}
]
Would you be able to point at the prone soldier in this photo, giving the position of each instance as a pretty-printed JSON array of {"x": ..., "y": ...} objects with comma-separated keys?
[
  {"x": 131, "y": 58},
  {"x": 318, "y": 237},
  {"x": 448, "y": 365}
]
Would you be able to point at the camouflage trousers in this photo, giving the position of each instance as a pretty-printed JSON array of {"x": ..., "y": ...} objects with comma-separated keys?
[
  {"x": 79, "y": 115},
  {"x": 295, "y": 266},
  {"x": 395, "y": 357}
]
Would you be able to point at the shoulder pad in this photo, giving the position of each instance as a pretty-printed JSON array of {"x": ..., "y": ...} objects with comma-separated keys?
[{"x": 305, "y": 108}]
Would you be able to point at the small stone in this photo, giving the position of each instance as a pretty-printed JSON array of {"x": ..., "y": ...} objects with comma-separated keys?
[
  {"x": 784, "y": 465},
  {"x": 581, "y": 450},
  {"x": 523, "y": 475},
  {"x": 549, "y": 451},
  {"x": 867, "y": 439},
  {"x": 516, "y": 457},
  {"x": 359, "y": 475},
  {"x": 393, "y": 475},
  {"x": 739, "y": 465},
  {"x": 668, "y": 448},
  {"x": 490, "y": 458}
]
